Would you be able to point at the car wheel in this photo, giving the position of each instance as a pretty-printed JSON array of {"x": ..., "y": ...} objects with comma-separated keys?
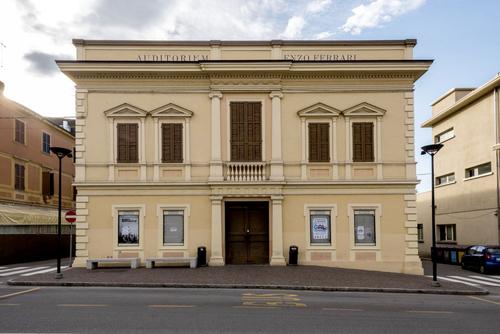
[
  {"x": 463, "y": 265},
  {"x": 482, "y": 269}
]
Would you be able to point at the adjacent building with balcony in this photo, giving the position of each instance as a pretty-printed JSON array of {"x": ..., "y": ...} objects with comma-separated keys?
[
  {"x": 29, "y": 182},
  {"x": 247, "y": 148},
  {"x": 466, "y": 122}
]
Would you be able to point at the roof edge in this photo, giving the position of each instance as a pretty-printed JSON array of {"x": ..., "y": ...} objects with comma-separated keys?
[
  {"x": 464, "y": 101},
  {"x": 87, "y": 42},
  {"x": 451, "y": 90}
]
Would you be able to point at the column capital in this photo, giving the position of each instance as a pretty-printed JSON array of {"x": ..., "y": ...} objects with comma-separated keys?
[
  {"x": 216, "y": 198},
  {"x": 276, "y": 93},
  {"x": 277, "y": 198},
  {"x": 216, "y": 94}
]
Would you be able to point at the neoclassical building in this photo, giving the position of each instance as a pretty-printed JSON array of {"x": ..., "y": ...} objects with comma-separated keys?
[{"x": 247, "y": 148}]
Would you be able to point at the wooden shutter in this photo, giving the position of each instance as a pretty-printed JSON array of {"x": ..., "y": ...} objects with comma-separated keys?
[
  {"x": 172, "y": 143},
  {"x": 362, "y": 142},
  {"x": 319, "y": 142},
  {"x": 127, "y": 142},
  {"x": 19, "y": 136},
  {"x": 246, "y": 131},
  {"x": 19, "y": 177}
]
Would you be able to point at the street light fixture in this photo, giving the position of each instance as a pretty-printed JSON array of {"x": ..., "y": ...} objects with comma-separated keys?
[
  {"x": 60, "y": 152},
  {"x": 432, "y": 150}
]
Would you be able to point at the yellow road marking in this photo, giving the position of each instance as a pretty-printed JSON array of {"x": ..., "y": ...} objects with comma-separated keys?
[
  {"x": 82, "y": 305},
  {"x": 485, "y": 300},
  {"x": 171, "y": 306},
  {"x": 342, "y": 309},
  {"x": 433, "y": 312},
  {"x": 242, "y": 306},
  {"x": 18, "y": 293}
]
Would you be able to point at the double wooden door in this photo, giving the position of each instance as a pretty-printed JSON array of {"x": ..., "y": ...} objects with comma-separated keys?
[{"x": 247, "y": 232}]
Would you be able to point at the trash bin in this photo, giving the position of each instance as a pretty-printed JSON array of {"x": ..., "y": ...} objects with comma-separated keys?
[
  {"x": 201, "y": 258},
  {"x": 293, "y": 256}
]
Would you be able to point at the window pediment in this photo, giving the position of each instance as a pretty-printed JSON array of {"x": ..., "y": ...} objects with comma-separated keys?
[
  {"x": 318, "y": 110},
  {"x": 125, "y": 110},
  {"x": 171, "y": 110},
  {"x": 364, "y": 109}
]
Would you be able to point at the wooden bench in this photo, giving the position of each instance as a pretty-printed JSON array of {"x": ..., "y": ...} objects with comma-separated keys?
[
  {"x": 150, "y": 263},
  {"x": 132, "y": 261}
]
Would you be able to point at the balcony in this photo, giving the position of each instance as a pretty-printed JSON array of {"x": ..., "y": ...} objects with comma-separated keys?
[{"x": 246, "y": 171}]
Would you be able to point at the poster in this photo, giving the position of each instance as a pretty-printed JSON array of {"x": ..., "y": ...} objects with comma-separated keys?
[
  {"x": 320, "y": 229},
  {"x": 128, "y": 228}
]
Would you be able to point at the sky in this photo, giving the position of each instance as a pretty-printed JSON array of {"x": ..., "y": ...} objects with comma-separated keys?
[{"x": 462, "y": 36}]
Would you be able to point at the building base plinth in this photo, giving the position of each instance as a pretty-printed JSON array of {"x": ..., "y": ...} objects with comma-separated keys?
[
  {"x": 80, "y": 262},
  {"x": 278, "y": 261},
  {"x": 216, "y": 262}
]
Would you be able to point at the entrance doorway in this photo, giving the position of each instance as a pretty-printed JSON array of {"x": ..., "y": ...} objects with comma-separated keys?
[{"x": 247, "y": 232}]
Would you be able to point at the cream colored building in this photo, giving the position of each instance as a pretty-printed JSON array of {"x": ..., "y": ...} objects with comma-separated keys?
[
  {"x": 247, "y": 148},
  {"x": 466, "y": 122}
]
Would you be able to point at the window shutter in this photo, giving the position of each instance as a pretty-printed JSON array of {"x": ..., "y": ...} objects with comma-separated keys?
[
  {"x": 19, "y": 135},
  {"x": 319, "y": 142},
  {"x": 127, "y": 142},
  {"x": 246, "y": 131},
  {"x": 172, "y": 143},
  {"x": 362, "y": 142},
  {"x": 368, "y": 141},
  {"x": 45, "y": 183}
]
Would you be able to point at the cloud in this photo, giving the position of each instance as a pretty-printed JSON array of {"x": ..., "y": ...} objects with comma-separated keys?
[
  {"x": 42, "y": 63},
  {"x": 317, "y": 6},
  {"x": 294, "y": 27},
  {"x": 323, "y": 35},
  {"x": 377, "y": 13}
]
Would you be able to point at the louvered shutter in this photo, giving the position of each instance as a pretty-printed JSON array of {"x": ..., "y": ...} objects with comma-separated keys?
[
  {"x": 246, "y": 131},
  {"x": 172, "y": 143},
  {"x": 319, "y": 142},
  {"x": 127, "y": 142},
  {"x": 362, "y": 142}
]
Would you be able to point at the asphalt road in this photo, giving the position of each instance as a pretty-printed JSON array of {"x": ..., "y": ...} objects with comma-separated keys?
[{"x": 125, "y": 310}]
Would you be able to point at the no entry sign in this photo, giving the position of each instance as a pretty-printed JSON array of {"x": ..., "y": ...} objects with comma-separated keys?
[{"x": 70, "y": 216}]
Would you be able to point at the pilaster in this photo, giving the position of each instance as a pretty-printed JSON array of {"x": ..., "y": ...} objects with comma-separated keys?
[
  {"x": 82, "y": 227},
  {"x": 276, "y": 147},
  {"x": 216, "y": 159},
  {"x": 277, "y": 258},
  {"x": 216, "y": 258},
  {"x": 412, "y": 263}
]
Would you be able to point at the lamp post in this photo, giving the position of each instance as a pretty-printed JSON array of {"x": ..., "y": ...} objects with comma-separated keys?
[
  {"x": 60, "y": 152},
  {"x": 432, "y": 150}
]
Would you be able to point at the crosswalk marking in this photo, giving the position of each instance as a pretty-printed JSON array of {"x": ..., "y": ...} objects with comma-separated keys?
[
  {"x": 21, "y": 271},
  {"x": 456, "y": 281},
  {"x": 9, "y": 269},
  {"x": 43, "y": 271},
  {"x": 490, "y": 279},
  {"x": 475, "y": 280}
]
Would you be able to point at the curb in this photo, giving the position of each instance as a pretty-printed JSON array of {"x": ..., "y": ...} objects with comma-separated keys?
[{"x": 480, "y": 291}]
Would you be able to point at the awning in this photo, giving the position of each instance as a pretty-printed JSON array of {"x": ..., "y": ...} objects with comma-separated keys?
[{"x": 19, "y": 214}]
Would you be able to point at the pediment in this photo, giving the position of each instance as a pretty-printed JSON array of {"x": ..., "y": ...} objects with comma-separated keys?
[
  {"x": 171, "y": 110},
  {"x": 125, "y": 110},
  {"x": 364, "y": 109},
  {"x": 318, "y": 110}
]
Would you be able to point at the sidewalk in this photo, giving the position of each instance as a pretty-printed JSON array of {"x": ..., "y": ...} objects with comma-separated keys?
[{"x": 252, "y": 277}]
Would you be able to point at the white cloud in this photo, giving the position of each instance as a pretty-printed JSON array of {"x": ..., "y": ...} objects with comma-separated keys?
[
  {"x": 377, "y": 13},
  {"x": 317, "y": 5},
  {"x": 294, "y": 27},
  {"x": 323, "y": 35}
]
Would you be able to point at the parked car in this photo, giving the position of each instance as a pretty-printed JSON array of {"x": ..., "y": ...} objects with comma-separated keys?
[{"x": 483, "y": 258}]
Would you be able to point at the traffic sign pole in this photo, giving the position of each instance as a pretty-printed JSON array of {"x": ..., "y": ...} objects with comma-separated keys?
[{"x": 70, "y": 218}]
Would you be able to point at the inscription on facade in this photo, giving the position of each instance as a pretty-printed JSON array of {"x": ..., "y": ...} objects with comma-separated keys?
[
  {"x": 320, "y": 56},
  {"x": 170, "y": 57}
]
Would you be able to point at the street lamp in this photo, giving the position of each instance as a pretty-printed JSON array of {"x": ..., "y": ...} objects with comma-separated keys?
[
  {"x": 432, "y": 150},
  {"x": 60, "y": 152}
]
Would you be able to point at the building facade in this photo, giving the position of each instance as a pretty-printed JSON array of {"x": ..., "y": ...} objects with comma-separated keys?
[
  {"x": 466, "y": 122},
  {"x": 29, "y": 182},
  {"x": 247, "y": 148}
]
